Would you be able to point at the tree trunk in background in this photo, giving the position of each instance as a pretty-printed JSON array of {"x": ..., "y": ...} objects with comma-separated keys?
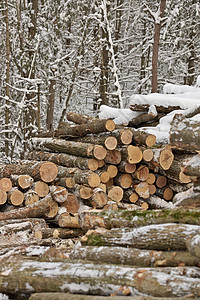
[
  {"x": 157, "y": 21},
  {"x": 7, "y": 76},
  {"x": 50, "y": 108}
]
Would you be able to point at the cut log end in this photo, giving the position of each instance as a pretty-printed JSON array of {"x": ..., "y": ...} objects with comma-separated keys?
[
  {"x": 25, "y": 181},
  {"x": 113, "y": 157},
  {"x": 134, "y": 154},
  {"x": 48, "y": 171},
  {"x": 85, "y": 192},
  {"x": 147, "y": 155},
  {"x": 112, "y": 171},
  {"x": 100, "y": 152},
  {"x": 93, "y": 164},
  {"x": 111, "y": 143},
  {"x": 150, "y": 140},
  {"x": 110, "y": 125},
  {"x": 41, "y": 188},
  {"x": 94, "y": 180},
  {"x": 15, "y": 197},
  {"x": 166, "y": 159},
  {"x": 70, "y": 182},
  {"x": 5, "y": 184},
  {"x": 3, "y": 197},
  {"x": 126, "y": 137},
  {"x": 115, "y": 193}
]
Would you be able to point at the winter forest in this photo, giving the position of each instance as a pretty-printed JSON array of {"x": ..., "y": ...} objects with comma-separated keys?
[{"x": 60, "y": 55}]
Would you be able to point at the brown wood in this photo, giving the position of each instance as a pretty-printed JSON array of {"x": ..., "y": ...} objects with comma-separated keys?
[
  {"x": 48, "y": 172},
  {"x": 94, "y": 126},
  {"x": 141, "y": 173},
  {"x": 35, "y": 210},
  {"x": 143, "y": 204},
  {"x": 99, "y": 198},
  {"x": 142, "y": 118},
  {"x": 30, "y": 197},
  {"x": 131, "y": 154},
  {"x": 24, "y": 181},
  {"x": 112, "y": 171},
  {"x": 130, "y": 196},
  {"x": 192, "y": 166},
  {"x": 126, "y": 167},
  {"x": 151, "y": 178},
  {"x": 109, "y": 183},
  {"x": 64, "y": 159},
  {"x": 104, "y": 175},
  {"x": 186, "y": 136},
  {"x": 142, "y": 189},
  {"x": 113, "y": 157},
  {"x": 79, "y": 118},
  {"x": 71, "y": 204},
  {"x": 152, "y": 189},
  {"x": 53, "y": 208},
  {"x": 65, "y": 220},
  {"x": 111, "y": 143},
  {"x": 83, "y": 177},
  {"x": 70, "y": 147},
  {"x": 124, "y": 180},
  {"x": 67, "y": 182},
  {"x": 58, "y": 193},
  {"x": 3, "y": 197},
  {"x": 166, "y": 159},
  {"x": 5, "y": 184},
  {"x": 15, "y": 197},
  {"x": 165, "y": 193},
  {"x": 126, "y": 136},
  {"x": 85, "y": 192},
  {"x": 161, "y": 181},
  {"x": 41, "y": 188},
  {"x": 147, "y": 155},
  {"x": 135, "y": 257},
  {"x": 160, "y": 108},
  {"x": 143, "y": 138},
  {"x": 101, "y": 163},
  {"x": 115, "y": 193}
]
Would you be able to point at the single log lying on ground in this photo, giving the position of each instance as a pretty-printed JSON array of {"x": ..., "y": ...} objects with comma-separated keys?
[
  {"x": 90, "y": 278},
  {"x": 134, "y": 257},
  {"x": 162, "y": 237},
  {"x": 36, "y": 210},
  {"x": 186, "y": 136},
  {"x": 94, "y": 126},
  {"x": 64, "y": 159},
  {"x": 123, "y": 218},
  {"x": 70, "y": 147}
]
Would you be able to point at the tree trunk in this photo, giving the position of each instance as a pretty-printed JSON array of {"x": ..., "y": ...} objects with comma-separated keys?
[
  {"x": 50, "y": 107},
  {"x": 157, "y": 28}
]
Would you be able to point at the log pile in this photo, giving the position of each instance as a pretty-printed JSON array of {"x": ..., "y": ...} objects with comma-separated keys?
[{"x": 92, "y": 184}]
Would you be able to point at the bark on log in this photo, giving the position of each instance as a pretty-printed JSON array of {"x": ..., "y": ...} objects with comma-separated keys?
[
  {"x": 192, "y": 167},
  {"x": 158, "y": 203},
  {"x": 36, "y": 210},
  {"x": 118, "y": 219},
  {"x": 64, "y": 160},
  {"x": 143, "y": 138},
  {"x": 58, "y": 193},
  {"x": 65, "y": 220},
  {"x": 66, "y": 130},
  {"x": 37, "y": 170},
  {"x": 79, "y": 118},
  {"x": 62, "y": 233},
  {"x": 189, "y": 198},
  {"x": 160, "y": 108},
  {"x": 186, "y": 136},
  {"x": 193, "y": 246},
  {"x": 130, "y": 196},
  {"x": 90, "y": 278},
  {"x": 82, "y": 177},
  {"x": 162, "y": 237},
  {"x": 70, "y": 147},
  {"x": 71, "y": 204},
  {"x": 135, "y": 257},
  {"x": 165, "y": 193},
  {"x": 30, "y": 197},
  {"x": 22, "y": 181}
]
